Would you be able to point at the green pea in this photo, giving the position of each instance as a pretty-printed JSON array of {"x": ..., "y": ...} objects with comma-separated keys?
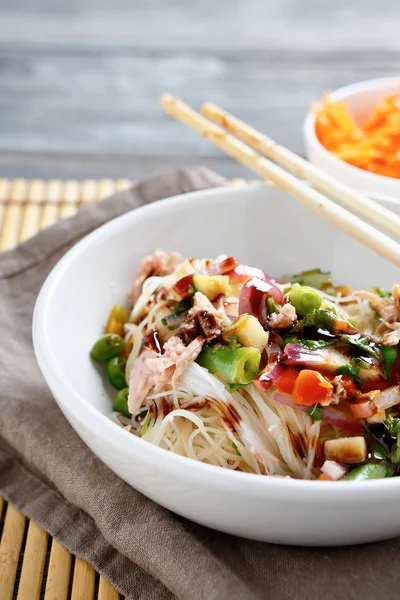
[
  {"x": 121, "y": 402},
  {"x": 116, "y": 372},
  {"x": 107, "y": 347},
  {"x": 305, "y": 300}
]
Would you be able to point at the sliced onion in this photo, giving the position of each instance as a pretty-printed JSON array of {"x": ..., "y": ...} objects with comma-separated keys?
[
  {"x": 268, "y": 377},
  {"x": 327, "y": 359},
  {"x": 388, "y": 398},
  {"x": 331, "y": 415},
  {"x": 333, "y": 470}
]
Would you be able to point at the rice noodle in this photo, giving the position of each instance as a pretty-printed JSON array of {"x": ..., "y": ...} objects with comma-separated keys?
[{"x": 200, "y": 418}]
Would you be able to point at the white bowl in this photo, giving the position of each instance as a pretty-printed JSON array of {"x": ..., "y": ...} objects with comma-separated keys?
[
  {"x": 361, "y": 99},
  {"x": 261, "y": 226}
]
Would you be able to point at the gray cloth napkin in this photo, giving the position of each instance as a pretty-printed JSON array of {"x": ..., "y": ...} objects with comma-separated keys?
[{"x": 49, "y": 474}]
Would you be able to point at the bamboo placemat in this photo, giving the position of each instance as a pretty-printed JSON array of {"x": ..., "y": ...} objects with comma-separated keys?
[{"x": 32, "y": 565}]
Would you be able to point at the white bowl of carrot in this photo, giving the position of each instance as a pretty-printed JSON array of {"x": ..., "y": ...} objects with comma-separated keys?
[{"x": 354, "y": 135}]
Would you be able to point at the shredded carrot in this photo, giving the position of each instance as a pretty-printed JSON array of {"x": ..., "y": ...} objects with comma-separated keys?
[
  {"x": 311, "y": 388},
  {"x": 372, "y": 146}
]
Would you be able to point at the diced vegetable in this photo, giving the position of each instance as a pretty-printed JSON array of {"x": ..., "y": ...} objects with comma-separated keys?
[
  {"x": 248, "y": 331},
  {"x": 117, "y": 319},
  {"x": 231, "y": 364},
  {"x": 388, "y": 398},
  {"x": 211, "y": 286},
  {"x": 184, "y": 287},
  {"x": 121, "y": 402},
  {"x": 116, "y": 372},
  {"x": 305, "y": 300},
  {"x": 362, "y": 410},
  {"x": 333, "y": 470},
  {"x": 311, "y": 388},
  {"x": 285, "y": 382},
  {"x": 107, "y": 347},
  {"x": 346, "y": 450},
  {"x": 370, "y": 470}
]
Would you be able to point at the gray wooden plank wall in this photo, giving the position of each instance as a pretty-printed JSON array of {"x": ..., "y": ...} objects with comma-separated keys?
[{"x": 80, "y": 79}]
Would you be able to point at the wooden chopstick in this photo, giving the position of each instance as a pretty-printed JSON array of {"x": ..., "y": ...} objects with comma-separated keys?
[
  {"x": 348, "y": 197},
  {"x": 340, "y": 217}
]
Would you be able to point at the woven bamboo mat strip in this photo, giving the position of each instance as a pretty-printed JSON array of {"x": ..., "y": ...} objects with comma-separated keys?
[
  {"x": 32, "y": 566},
  {"x": 26, "y": 206}
]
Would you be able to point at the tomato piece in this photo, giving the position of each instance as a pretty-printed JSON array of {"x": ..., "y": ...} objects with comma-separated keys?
[{"x": 287, "y": 380}]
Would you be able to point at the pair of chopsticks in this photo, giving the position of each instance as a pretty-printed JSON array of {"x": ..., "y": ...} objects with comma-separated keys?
[{"x": 245, "y": 153}]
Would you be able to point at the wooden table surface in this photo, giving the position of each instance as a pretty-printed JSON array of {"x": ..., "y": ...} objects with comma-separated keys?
[{"x": 80, "y": 80}]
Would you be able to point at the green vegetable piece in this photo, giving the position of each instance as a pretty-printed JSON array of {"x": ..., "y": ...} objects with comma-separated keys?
[
  {"x": 141, "y": 415},
  {"x": 315, "y": 344},
  {"x": 315, "y": 412},
  {"x": 350, "y": 371},
  {"x": 107, "y": 347},
  {"x": 319, "y": 319},
  {"x": 389, "y": 354},
  {"x": 181, "y": 307},
  {"x": 231, "y": 364},
  {"x": 271, "y": 306},
  {"x": 393, "y": 425},
  {"x": 305, "y": 300},
  {"x": 362, "y": 343},
  {"x": 121, "y": 402},
  {"x": 146, "y": 422},
  {"x": 370, "y": 470},
  {"x": 314, "y": 278},
  {"x": 289, "y": 339},
  {"x": 236, "y": 449},
  {"x": 382, "y": 293},
  {"x": 377, "y": 450},
  {"x": 116, "y": 372}
]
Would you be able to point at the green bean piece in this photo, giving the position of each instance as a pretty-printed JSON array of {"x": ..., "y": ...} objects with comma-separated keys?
[
  {"x": 368, "y": 471},
  {"x": 305, "y": 300},
  {"x": 116, "y": 372},
  {"x": 107, "y": 347},
  {"x": 121, "y": 402}
]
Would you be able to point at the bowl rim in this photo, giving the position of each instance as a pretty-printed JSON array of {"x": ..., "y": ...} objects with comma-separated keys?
[
  {"x": 252, "y": 483},
  {"x": 341, "y": 94}
]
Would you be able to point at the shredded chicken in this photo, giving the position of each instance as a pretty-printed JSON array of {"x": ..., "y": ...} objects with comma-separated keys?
[
  {"x": 392, "y": 338},
  {"x": 203, "y": 320},
  {"x": 285, "y": 317},
  {"x": 160, "y": 264},
  {"x": 338, "y": 392},
  {"x": 140, "y": 381},
  {"x": 176, "y": 359}
]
